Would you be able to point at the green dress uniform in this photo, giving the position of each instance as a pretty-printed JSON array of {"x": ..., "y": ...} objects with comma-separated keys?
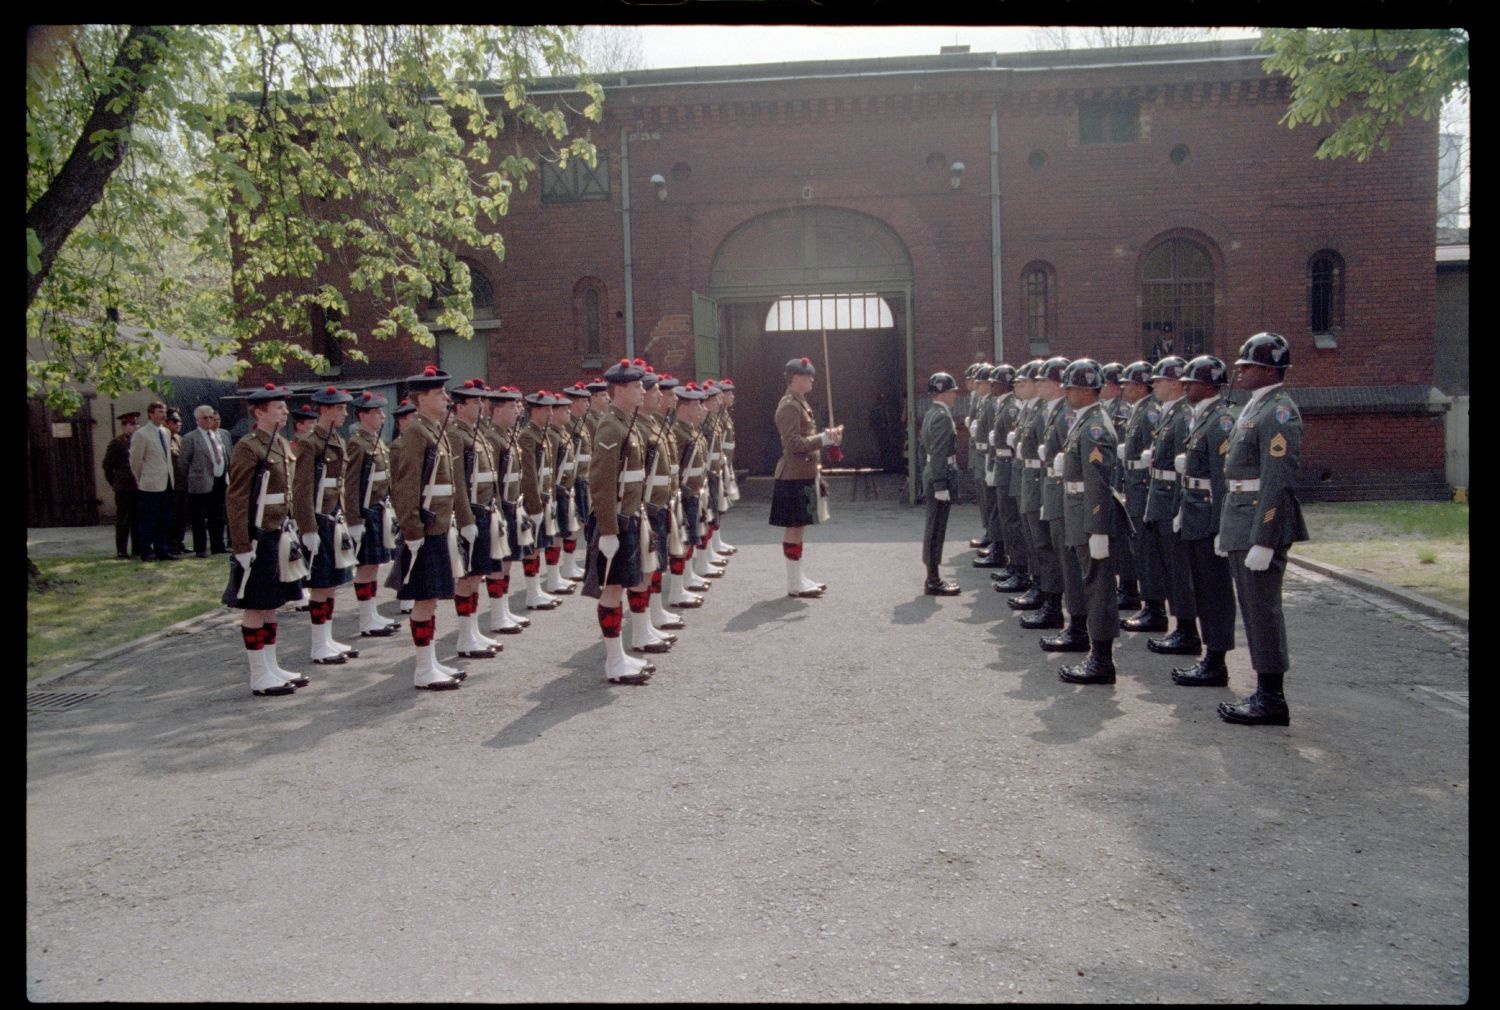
[
  {"x": 1090, "y": 509},
  {"x": 1260, "y": 510},
  {"x": 983, "y": 451},
  {"x": 1118, "y": 412},
  {"x": 1002, "y": 463},
  {"x": 1047, "y": 573},
  {"x": 981, "y": 417},
  {"x": 1026, "y": 489},
  {"x": 1203, "y": 488},
  {"x": 1060, "y": 419},
  {"x": 939, "y": 473},
  {"x": 1162, "y": 502},
  {"x": 1135, "y": 484}
]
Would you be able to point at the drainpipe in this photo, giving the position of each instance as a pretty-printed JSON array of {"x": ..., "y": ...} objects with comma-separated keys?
[
  {"x": 998, "y": 321},
  {"x": 629, "y": 258}
]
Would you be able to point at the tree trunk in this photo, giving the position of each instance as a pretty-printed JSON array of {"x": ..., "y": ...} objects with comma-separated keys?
[{"x": 81, "y": 182}]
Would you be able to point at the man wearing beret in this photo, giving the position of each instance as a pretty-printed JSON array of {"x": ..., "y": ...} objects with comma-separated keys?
[
  {"x": 537, "y": 460},
  {"x": 317, "y": 507},
  {"x": 473, "y": 497},
  {"x": 505, "y": 412},
  {"x": 367, "y": 483},
  {"x": 691, "y": 462},
  {"x": 797, "y": 490}
]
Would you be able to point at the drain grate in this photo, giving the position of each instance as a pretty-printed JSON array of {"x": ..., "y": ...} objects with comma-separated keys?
[{"x": 58, "y": 701}]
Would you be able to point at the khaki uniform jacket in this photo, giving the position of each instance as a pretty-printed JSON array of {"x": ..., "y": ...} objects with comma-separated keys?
[
  {"x": 1207, "y": 447},
  {"x": 1265, "y": 445},
  {"x": 242, "y": 485},
  {"x": 535, "y": 452},
  {"x": 472, "y": 456},
  {"x": 408, "y": 481},
  {"x": 564, "y": 464},
  {"x": 311, "y": 445},
  {"x": 728, "y": 444},
  {"x": 801, "y": 443},
  {"x": 713, "y": 432},
  {"x": 1089, "y": 506},
  {"x": 1171, "y": 436},
  {"x": 659, "y": 481},
  {"x": 359, "y": 447},
  {"x": 692, "y": 454},
  {"x": 616, "y": 477}
]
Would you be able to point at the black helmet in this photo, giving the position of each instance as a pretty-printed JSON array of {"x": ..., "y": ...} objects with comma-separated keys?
[
  {"x": 1053, "y": 368},
  {"x": 1137, "y": 371},
  {"x": 973, "y": 370},
  {"x": 1206, "y": 368},
  {"x": 1112, "y": 371},
  {"x": 1083, "y": 374},
  {"x": 1030, "y": 370},
  {"x": 1169, "y": 367},
  {"x": 1268, "y": 349},
  {"x": 1003, "y": 373},
  {"x": 941, "y": 382}
]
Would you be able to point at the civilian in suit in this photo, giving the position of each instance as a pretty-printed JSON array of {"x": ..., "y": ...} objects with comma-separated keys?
[
  {"x": 151, "y": 465},
  {"x": 205, "y": 462}
]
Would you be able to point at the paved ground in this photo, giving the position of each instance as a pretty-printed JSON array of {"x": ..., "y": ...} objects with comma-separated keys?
[{"x": 874, "y": 796}]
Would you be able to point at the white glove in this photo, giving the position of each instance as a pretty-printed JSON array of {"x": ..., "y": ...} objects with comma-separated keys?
[
  {"x": 608, "y": 545},
  {"x": 1179, "y": 463},
  {"x": 1177, "y": 523},
  {"x": 1259, "y": 558},
  {"x": 941, "y": 495},
  {"x": 469, "y": 532},
  {"x": 1010, "y": 439},
  {"x": 1145, "y": 456},
  {"x": 246, "y": 558},
  {"x": 1057, "y": 464},
  {"x": 1098, "y": 546},
  {"x": 311, "y": 542},
  {"x": 1041, "y": 453},
  {"x": 973, "y": 429},
  {"x": 1221, "y": 552},
  {"x": 1120, "y": 449},
  {"x": 357, "y": 531}
]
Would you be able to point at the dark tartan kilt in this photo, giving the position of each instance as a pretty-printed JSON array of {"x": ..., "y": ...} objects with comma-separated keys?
[
  {"x": 483, "y": 563},
  {"x": 794, "y": 503},
  {"x": 661, "y": 530},
  {"x": 324, "y": 572},
  {"x": 265, "y": 590},
  {"x": 372, "y": 548},
  {"x": 564, "y": 502},
  {"x": 689, "y": 517},
  {"x": 713, "y": 499},
  {"x": 581, "y": 496},
  {"x": 512, "y": 531},
  {"x": 625, "y": 570},
  {"x": 433, "y": 577}
]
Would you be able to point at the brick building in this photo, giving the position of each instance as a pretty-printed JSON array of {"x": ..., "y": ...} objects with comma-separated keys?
[{"x": 926, "y": 212}]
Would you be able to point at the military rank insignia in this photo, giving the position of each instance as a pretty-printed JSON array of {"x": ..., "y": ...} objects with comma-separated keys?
[
  {"x": 1282, "y": 413},
  {"x": 1278, "y": 445},
  {"x": 1095, "y": 456},
  {"x": 1270, "y": 514},
  {"x": 1224, "y": 448}
]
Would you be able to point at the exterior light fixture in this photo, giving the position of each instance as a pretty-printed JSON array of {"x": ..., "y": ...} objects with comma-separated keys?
[
  {"x": 956, "y": 176},
  {"x": 660, "y": 182}
]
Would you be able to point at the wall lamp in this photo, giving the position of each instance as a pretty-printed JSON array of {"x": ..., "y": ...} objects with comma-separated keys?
[
  {"x": 660, "y": 182},
  {"x": 956, "y": 174}
]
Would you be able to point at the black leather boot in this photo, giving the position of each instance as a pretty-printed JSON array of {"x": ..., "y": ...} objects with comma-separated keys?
[
  {"x": 1029, "y": 600},
  {"x": 1017, "y": 583},
  {"x": 937, "y": 586},
  {"x": 1099, "y": 668},
  {"x": 1074, "y": 638},
  {"x": 1210, "y": 671},
  {"x": 1266, "y": 707},
  {"x": 1048, "y": 615},
  {"x": 1183, "y": 641},
  {"x": 991, "y": 558},
  {"x": 1127, "y": 597},
  {"x": 980, "y": 542},
  {"x": 1152, "y": 617}
]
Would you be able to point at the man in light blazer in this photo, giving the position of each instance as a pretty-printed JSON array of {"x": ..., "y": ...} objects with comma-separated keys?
[
  {"x": 151, "y": 463},
  {"x": 205, "y": 458}
]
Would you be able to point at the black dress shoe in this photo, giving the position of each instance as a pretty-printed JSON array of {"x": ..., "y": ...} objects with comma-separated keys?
[
  {"x": 632, "y": 678},
  {"x": 1257, "y": 710},
  {"x": 692, "y": 604},
  {"x": 1029, "y": 600},
  {"x": 351, "y": 653},
  {"x": 987, "y": 561},
  {"x": 298, "y": 680},
  {"x": 550, "y": 605},
  {"x": 1149, "y": 619},
  {"x": 122, "y": 557},
  {"x": 1072, "y": 639},
  {"x": 278, "y": 689},
  {"x": 382, "y": 632},
  {"x": 1017, "y": 583},
  {"x": 1202, "y": 675},
  {"x": 1126, "y": 601},
  {"x": 808, "y": 594},
  {"x": 485, "y": 653},
  {"x": 939, "y": 587},
  {"x": 1049, "y": 615},
  {"x": 1178, "y": 643},
  {"x": 1091, "y": 671},
  {"x": 200, "y": 554},
  {"x": 655, "y": 648},
  {"x": 980, "y": 542},
  {"x": 568, "y": 590},
  {"x": 450, "y": 684},
  {"x": 220, "y": 550},
  {"x": 514, "y": 629},
  {"x": 338, "y": 660}
]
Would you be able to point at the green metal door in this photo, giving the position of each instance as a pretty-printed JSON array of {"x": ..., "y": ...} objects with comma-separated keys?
[{"x": 705, "y": 337}]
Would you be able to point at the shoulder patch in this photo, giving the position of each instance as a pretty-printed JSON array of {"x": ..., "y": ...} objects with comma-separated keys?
[
  {"x": 1282, "y": 414},
  {"x": 1096, "y": 431},
  {"x": 1278, "y": 446},
  {"x": 1226, "y": 423},
  {"x": 1153, "y": 416}
]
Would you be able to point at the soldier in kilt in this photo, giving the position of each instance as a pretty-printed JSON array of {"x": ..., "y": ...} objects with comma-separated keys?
[
  {"x": 422, "y": 494},
  {"x": 581, "y": 438},
  {"x": 500, "y": 431},
  {"x": 564, "y": 469},
  {"x": 473, "y": 496},
  {"x": 534, "y": 450},
  {"x": 662, "y": 498},
  {"x": 317, "y": 507},
  {"x": 367, "y": 483},
  {"x": 706, "y": 563},
  {"x": 617, "y": 481},
  {"x": 798, "y": 488},
  {"x": 404, "y": 412},
  {"x": 691, "y": 463},
  {"x": 265, "y": 569},
  {"x": 646, "y": 635}
]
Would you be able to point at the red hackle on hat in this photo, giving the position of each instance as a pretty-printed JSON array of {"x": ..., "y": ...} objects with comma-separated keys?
[{"x": 430, "y": 370}]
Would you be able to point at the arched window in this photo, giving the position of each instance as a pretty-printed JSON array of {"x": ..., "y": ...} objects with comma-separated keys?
[
  {"x": 482, "y": 293},
  {"x": 1039, "y": 290},
  {"x": 1325, "y": 291},
  {"x": 1177, "y": 300},
  {"x": 588, "y": 320}
]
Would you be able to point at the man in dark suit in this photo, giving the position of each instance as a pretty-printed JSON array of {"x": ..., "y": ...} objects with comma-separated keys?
[
  {"x": 117, "y": 471},
  {"x": 205, "y": 462}
]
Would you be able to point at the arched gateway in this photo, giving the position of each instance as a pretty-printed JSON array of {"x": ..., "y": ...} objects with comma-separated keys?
[{"x": 780, "y": 283}]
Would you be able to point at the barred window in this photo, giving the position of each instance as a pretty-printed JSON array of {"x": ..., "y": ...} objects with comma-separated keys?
[
  {"x": 575, "y": 182},
  {"x": 1325, "y": 291},
  {"x": 1039, "y": 289},
  {"x": 1109, "y": 122},
  {"x": 1177, "y": 300}
]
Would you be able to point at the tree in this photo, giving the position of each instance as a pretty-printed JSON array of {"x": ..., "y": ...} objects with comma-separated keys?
[
  {"x": 1099, "y": 37},
  {"x": 156, "y": 155},
  {"x": 610, "y": 49},
  {"x": 1367, "y": 80}
]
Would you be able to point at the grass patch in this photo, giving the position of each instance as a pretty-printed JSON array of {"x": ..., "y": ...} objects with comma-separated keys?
[
  {"x": 94, "y": 603},
  {"x": 1422, "y": 546}
]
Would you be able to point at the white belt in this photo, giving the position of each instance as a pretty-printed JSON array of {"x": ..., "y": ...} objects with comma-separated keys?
[
  {"x": 273, "y": 499},
  {"x": 511, "y": 477},
  {"x": 632, "y": 476},
  {"x": 378, "y": 475},
  {"x": 674, "y": 470},
  {"x": 1252, "y": 484},
  {"x": 1170, "y": 475},
  {"x": 1003, "y": 453},
  {"x": 442, "y": 490},
  {"x": 1073, "y": 486},
  {"x": 1135, "y": 464},
  {"x": 713, "y": 456},
  {"x": 953, "y": 461},
  {"x": 332, "y": 481},
  {"x": 1052, "y": 471},
  {"x": 982, "y": 446},
  {"x": 1198, "y": 483},
  {"x": 484, "y": 477},
  {"x": 1033, "y": 464},
  {"x": 660, "y": 480},
  {"x": 583, "y": 459},
  {"x": 693, "y": 471},
  {"x": 728, "y": 445}
]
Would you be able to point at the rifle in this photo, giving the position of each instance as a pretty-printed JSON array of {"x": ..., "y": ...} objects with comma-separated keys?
[{"x": 620, "y": 484}]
